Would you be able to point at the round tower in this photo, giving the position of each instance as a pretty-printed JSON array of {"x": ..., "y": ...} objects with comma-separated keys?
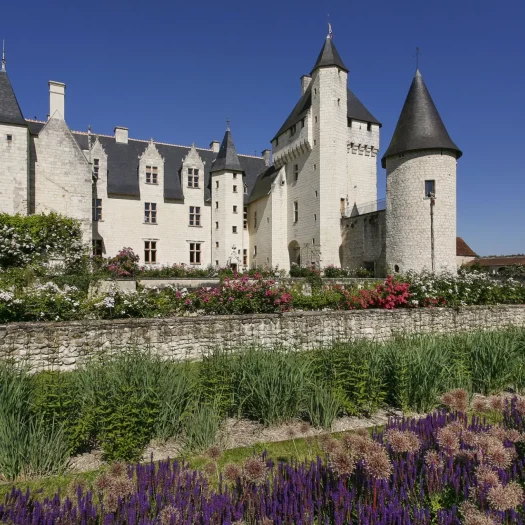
[{"x": 420, "y": 188}]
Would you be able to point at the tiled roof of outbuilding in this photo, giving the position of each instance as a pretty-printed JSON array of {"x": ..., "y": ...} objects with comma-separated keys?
[
  {"x": 419, "y": 125},
  {"x": 10, "y": 112},
  {"x": 463, "y": 249}
]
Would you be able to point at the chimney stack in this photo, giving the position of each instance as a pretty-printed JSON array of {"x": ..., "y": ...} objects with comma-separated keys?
[
  {"x": 305, "y": 82},
  {"x": 215, "y": 146},
  {"x": 57, "y": 91},
  {"x": 267, "y": 156},
  {"x": 121, "y": 135}
]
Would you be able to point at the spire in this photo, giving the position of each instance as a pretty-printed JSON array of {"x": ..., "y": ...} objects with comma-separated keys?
[
  {"x": 227, "y": 158},
  {"x": 419, "y": 126},
  {"x": 3, "y": 56},
  {"x": 329, "y": 57},
  {"x": 10, "y": 112}
]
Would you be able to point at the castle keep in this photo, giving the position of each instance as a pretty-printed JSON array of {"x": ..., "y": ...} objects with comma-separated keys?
[{"x": 311, "y": 199}]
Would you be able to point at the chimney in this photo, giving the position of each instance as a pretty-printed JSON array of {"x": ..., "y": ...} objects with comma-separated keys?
[
  {"x": 57, "y": 92},
  {"x": 305, "y": 82},
  {"x": 267, "y": 156},
  {"x": 215, "y": 146},
  {"x": 121, "y": 135}
]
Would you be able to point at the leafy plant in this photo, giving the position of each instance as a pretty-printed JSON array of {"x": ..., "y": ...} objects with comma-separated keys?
[
  {"x": 323, "y": 405},
  {"x": 201, "y": 427}
]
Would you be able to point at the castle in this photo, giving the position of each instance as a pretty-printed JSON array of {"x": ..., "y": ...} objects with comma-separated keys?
[{"x": 312, "y": 199}]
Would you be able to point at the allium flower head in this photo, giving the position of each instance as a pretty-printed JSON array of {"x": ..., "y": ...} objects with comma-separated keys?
[
  {"x": 344, "y": 462},
  {"x": 448, "y": 439},
  {"x": 504, "y": 498},
  {"x": 402, "y": 441},
  {"x": 255, "y": 469},
  {"x": 214, "y": 453},
  {"x": 474, "y": 516},
  {"x": 376, "y": 462},
  {"x": 485, "y": 475},
  {"x": 479, "y": 404},
  {"x": 232, "y": 472},
  {"x": 169, "y": 515},
  {"x": 497, "y": 403},
  {"x": 433, "y": 459}
]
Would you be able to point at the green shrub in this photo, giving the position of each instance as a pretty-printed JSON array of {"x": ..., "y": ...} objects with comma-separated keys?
[{"x": 38, "y": 238}]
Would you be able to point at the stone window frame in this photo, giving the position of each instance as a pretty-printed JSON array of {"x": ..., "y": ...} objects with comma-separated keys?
[
  {"x": 97, "y": 247},
  {"x": 234, "y": 229},
  {"x": 295, "y": 212},
  {"x": 152, "y": 175},
  {"x": 195, "y": 253},
  {"x": 245, "y": 257},
  {"x": 150, "y": 251},
  {"x": 255, "y": 219},
  {"x": 430, "y": 188},
  {"x": 296, "y": 172},
  {"x": 234, "y": 208},
  {"x": 195, "y": 216},
  {"x": 193, "y": 175},
  {"x": 96, "y": 168},
  {"x": 245, "y": 189},
  {"x": 235, "y": 188},
  {"x": 150, "y": 213},
  {"x": 293, "y": 130},
  {"x": 9, "y": 137},
  {"x": 96, "y": 209},
  {"x": 245, "y": 218}
]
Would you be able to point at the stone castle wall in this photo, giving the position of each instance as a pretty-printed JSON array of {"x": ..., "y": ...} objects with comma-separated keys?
[{"x": 64, "y": 345}]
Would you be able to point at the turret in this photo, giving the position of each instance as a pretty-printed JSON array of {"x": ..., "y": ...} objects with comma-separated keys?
[
  {"x": 421, "y": 188},
  {"x": 14, "y": 150},
  {"x": 227, "y": 195}
]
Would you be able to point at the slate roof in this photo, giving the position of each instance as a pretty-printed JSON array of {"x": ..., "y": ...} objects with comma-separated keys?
[
  {"x": 463, "y": 249},
  {"x": 419, "y": 125},
  {"x": 123, "y": 164},
  {"x": 329, "y": 57},
  {"x": 10, "y": 112},
  {"x": 355, "y": 110},
  {"x": 227, "y": 157},
  {"x": 263, "y": 183}
]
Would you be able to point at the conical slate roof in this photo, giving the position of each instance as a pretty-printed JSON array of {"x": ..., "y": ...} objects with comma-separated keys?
[
  {"x": 419, "y": 125},
  {"x": 227, "y": 158},
  {"x": 10, "y": 112},
  {"x": 329, "y": 57}
]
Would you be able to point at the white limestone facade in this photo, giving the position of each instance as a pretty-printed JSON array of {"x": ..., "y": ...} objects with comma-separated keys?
[
  {"x": 14, "y": 169},
  {"x": 408, "y": 211},
  {"x": 229, "y": 237},
  {"x": 62, "y": 174}
]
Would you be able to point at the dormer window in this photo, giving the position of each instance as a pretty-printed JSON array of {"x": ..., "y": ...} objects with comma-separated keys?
[
  {"x": 245, "y": 189},
  {"x": 96, "y": 167},
  {"x": 152, "y": 175},
  {"x": 193, "y": 177}
]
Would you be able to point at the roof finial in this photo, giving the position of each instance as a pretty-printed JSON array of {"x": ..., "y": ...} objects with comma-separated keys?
[
  {"x": 227, "y": 123},
  {"x": 418, "y": 52},
  {"x": 330, "y": 34},
  {"x": 3, "y": 56}
]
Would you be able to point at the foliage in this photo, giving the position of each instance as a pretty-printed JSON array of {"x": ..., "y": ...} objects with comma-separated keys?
[
  {"x": 335, "y": 272},
  {"x": 269, "y": 386},
  {"x": 201, "y": 427},
  {"x": 464, "y": 289},
  {"x": 444, "y": 468},
  {"x": 37, "y": 239}
]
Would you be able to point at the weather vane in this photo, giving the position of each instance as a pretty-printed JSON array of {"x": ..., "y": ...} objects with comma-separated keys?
[
  {"x": 3, "y": 55},
  {"x": 227, "y": 123}
]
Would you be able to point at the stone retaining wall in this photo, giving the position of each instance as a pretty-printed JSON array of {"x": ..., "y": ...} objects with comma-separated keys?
[{"x": 63, "y": 345}]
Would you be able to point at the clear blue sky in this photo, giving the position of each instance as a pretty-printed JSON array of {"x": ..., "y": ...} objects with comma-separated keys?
[{"x": 174, "y": 71}]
